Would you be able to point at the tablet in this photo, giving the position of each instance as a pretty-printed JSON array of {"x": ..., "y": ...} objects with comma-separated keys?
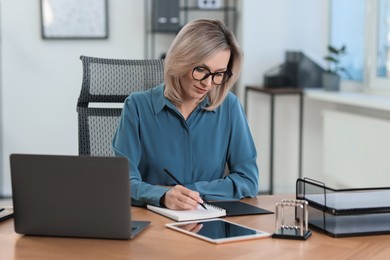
[{"x": 217, "y": 231}]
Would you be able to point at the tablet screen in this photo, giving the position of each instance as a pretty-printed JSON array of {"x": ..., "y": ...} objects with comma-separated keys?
[{"x": 217, "y": 230}]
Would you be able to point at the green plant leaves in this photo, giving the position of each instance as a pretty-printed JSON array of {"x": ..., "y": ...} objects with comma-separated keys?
[{"x": 333, "y": 59}]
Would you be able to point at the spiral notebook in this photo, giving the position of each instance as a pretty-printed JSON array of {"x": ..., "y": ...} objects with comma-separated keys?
[
  {"x": 214, "y": 210},
  {"x": 185, "y": 215}
]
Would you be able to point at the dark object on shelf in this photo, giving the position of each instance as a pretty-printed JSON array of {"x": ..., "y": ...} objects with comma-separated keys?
[
  {"x": 209, "y": 4},
  {"x": 346, "y": 212},
  {"x": 161, "y": 17},
  {"x": 165, "y": 16},
  {"x": 298, "y": 71}
]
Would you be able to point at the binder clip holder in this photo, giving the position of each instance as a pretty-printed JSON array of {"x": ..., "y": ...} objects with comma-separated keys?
[{"x": 298, "y": 231}]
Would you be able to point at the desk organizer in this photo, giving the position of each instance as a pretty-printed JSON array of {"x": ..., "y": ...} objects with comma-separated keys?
[{"x": 346, "y": 212}]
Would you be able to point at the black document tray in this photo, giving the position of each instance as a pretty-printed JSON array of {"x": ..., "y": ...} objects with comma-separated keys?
[{"x": 346, "y": 212}]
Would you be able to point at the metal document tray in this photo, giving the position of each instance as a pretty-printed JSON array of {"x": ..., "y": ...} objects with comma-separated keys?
[{"x": 346, "y": 212}]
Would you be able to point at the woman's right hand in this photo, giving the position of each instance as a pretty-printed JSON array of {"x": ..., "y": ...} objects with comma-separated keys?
[{"x": 182, "y": 198}]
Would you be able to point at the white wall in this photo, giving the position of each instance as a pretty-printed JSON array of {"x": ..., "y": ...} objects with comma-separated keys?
[
  {"x": 41, "y": 79},
  {"x": 272, "y": 27},
  {"x": 269, "y": 28}
]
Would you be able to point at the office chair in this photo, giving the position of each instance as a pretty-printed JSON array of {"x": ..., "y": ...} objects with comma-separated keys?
[{"x": 106, "y": 84}]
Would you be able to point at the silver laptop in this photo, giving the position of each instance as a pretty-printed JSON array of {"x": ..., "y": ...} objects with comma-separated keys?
[{"x": 72, "y": 196}]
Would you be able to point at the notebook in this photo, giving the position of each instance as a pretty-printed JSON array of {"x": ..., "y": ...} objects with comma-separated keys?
[
  {"x": 214, "y": 210},
  {"x": 72, "y": 196},
  {"x": 185, "y": 215}
]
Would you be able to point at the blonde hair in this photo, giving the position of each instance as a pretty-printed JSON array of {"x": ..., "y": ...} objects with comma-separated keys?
[{"x": 197, "y": 41}]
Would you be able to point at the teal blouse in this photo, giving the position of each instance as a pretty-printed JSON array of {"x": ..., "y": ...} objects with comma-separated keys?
[{"x": 153, "y": 135}]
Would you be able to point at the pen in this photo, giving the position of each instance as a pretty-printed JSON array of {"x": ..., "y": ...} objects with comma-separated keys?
[
  {"x": 178, "y": 182},
  {"x": 1, "y": 209}
]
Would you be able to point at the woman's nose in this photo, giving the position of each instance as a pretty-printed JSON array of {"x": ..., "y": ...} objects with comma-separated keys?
[{"x": 207, "y": 81}]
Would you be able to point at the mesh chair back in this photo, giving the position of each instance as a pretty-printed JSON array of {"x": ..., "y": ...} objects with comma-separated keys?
[{"x": 106, "y": 82}]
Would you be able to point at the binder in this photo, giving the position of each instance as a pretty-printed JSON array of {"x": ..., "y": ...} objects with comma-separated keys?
[{"x": 238, "y": 208}]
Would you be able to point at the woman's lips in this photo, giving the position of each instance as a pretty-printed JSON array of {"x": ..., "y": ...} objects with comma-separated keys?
[{"x": 200, "y": 90}]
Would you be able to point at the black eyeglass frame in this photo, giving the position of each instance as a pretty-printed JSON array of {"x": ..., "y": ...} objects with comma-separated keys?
[{"x": 227, "y": 75}]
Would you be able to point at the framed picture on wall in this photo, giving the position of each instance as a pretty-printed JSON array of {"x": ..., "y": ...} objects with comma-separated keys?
[{"x": 74, "y": 19}]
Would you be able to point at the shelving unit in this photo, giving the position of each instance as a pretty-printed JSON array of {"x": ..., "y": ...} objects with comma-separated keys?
[{"x": 188, "y": 10}]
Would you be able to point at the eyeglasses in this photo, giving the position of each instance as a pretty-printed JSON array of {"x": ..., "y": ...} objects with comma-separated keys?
[{"x": 218, "y": 78}]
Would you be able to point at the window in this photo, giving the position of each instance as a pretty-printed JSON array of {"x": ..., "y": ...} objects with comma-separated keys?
[
  {"x": 347, "y": 28},
  {"x": 379, "y": 57},
  {"x": 364, "y": 27},
  {"x": 383, "y": 67}
]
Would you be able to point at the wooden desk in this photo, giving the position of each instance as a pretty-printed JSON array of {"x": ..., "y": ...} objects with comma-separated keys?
[{"x": 158, "y": 242}]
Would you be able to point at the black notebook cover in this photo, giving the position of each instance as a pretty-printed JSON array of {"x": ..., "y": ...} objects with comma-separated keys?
[{"x": 238, "y": 208}]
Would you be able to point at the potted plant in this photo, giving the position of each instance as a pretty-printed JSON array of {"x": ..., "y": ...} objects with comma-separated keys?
[{"x": 331, "y": 77}]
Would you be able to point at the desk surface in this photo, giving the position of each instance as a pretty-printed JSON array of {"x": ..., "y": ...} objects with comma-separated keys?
[{"x": 158, "y": 242}]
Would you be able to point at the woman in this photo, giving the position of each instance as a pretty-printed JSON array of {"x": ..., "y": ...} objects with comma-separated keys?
[{"x": 191, "y": 125}]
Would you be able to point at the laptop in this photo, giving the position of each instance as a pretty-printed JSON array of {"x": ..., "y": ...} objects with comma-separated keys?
[{"x": 72, "y": 196}]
